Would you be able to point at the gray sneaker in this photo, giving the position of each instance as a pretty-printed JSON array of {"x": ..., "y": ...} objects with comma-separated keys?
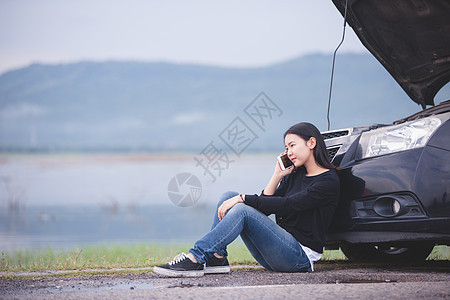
[{"x": 217, "y": 265}]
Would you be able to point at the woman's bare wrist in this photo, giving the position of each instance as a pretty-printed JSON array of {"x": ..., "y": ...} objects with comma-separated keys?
[{"x": 277, "y": 177}]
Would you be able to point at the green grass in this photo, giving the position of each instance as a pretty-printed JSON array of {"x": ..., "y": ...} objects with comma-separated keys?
[
  {"x": 106, "y": 257},
  {"x": 440, "y": 253},
  {"x": 134, "y": 256}
]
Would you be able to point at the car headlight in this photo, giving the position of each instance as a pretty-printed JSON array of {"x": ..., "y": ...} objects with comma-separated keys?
[{"x": 409, "y": 135}]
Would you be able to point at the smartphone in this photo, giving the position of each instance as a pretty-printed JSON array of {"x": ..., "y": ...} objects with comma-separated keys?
[{"x": 285, "y": 162}]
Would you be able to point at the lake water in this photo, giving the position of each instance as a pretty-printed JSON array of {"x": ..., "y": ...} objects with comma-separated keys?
[{"x": 62, "y": 201}]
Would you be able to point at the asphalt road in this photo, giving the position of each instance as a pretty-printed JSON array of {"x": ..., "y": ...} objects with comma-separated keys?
[{"x": 335, "y": 280}]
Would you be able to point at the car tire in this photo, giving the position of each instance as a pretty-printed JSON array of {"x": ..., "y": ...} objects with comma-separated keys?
[{"x": 410, "y": 253}]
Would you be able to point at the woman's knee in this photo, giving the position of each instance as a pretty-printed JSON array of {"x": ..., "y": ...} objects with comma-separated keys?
[{"x": 240, "y": 210}]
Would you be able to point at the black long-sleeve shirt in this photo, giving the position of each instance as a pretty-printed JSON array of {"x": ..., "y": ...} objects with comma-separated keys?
[{"x": 303, "y": 205}]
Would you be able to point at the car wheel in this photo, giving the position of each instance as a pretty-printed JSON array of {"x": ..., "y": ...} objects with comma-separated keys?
[{"x": 416, "y": 252}]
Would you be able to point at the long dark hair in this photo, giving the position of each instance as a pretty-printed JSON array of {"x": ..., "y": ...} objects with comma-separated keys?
[{"x": 306, "y": 131}]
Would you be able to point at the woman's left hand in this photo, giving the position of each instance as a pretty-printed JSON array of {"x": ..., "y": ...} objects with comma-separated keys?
[{"x": 226, "y": 205}]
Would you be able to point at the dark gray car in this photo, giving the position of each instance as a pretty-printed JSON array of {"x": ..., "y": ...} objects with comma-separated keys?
[{"x": 395, "y": 202}]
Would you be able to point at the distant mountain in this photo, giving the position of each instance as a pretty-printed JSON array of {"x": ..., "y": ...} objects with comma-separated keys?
[{"x": 162, "y": 106}]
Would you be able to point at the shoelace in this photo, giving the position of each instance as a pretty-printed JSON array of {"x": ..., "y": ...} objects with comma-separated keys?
[{"x": 178, "y": 258}]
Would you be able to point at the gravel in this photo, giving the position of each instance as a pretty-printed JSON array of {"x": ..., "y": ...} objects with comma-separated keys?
[{"x": 329, "y": 281}]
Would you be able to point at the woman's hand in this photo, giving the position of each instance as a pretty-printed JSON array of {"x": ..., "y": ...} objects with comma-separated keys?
[
  {"x": 228, "y": 204},
  {"x": 278, "y": 174}
]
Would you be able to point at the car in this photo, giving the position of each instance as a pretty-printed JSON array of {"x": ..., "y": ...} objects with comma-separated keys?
[{"x": 395, "y": 178}]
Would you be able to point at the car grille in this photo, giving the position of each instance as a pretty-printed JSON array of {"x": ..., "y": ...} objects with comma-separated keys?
[
  {"x": 334, "y": 134},
  {"x": 332, "y": 151}
]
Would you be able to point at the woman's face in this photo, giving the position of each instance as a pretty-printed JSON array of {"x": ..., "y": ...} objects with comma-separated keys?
[{"x": 299, "y": 151}]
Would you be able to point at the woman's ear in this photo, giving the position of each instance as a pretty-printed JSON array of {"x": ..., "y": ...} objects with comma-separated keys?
[{"x": 312, "y": 142}]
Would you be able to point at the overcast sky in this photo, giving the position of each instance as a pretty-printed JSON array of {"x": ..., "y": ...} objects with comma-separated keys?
[{"x": 225, "y": 33}]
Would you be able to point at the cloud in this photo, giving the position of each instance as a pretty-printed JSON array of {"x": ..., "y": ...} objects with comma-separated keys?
[
  {"x": 188, "y": 118},
  {"x": 22, "y": 111},
  {"x": 232, "y": 33}
]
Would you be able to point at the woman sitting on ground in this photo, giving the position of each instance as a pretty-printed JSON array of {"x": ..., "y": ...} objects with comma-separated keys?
[{"x": 303, "y": 198}]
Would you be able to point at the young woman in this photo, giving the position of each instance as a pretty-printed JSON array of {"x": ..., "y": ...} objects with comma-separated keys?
[{"x": 303, "y": 199}]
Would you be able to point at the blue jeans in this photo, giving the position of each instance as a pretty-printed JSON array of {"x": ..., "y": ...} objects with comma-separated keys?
[{"x": 272, "y": 246}]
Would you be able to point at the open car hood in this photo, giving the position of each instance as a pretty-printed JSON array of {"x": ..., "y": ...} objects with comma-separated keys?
[{"x": 410, "y": 38}]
